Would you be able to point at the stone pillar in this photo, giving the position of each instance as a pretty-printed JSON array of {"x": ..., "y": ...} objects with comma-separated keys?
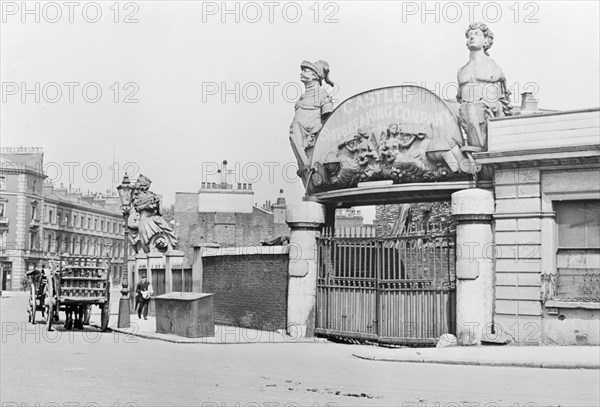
[
  {"x": 305, "y": 220},
  {"x": 173, "y": 259},
  {"x": 197, "y": 271},
  {"x": 473, "y": 209}
]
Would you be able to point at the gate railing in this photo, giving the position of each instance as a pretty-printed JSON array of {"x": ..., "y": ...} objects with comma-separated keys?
[{"x": 388, "y": 289}]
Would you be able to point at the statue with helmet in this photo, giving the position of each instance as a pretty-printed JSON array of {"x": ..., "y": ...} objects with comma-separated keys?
[{"x": 311, "y": 111}]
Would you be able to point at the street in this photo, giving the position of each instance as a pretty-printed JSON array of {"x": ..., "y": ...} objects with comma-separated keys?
[{"x": 71, "y": 368}]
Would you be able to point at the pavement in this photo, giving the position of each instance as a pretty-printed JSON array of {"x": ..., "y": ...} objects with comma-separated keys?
[{"x": 549, "y": 357}]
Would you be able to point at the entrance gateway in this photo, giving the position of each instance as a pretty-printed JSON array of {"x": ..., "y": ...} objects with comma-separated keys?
[
  {"x": 387, "y": 146},
  {"x": 397, "y": 290},
  {"x": 395, "y": 145}
]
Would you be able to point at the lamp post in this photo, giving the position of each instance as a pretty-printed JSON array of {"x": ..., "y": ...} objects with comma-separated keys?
[{"x": 124, "y": 191}]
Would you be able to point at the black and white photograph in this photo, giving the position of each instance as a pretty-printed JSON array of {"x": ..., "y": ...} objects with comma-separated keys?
[{"x": 299, "y": 203}]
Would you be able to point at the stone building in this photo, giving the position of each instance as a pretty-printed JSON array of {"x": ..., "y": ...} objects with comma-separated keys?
[
  {"x": 39, "y": 221},
  {"x": 546, "y": 225}
]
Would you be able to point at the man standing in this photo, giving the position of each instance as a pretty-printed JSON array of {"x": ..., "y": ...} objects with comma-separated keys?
[{"x": 143, "y": 290}]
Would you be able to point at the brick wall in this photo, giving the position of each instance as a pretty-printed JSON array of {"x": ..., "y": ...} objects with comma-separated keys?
[
  {"x": 250, "y": 291},
  {"x": 386, "y": 215}
]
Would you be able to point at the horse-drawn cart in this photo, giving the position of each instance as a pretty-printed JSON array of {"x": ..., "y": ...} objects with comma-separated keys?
[
  {"x": 81, "y": 283},
  {"x": 40, "y": 283}
]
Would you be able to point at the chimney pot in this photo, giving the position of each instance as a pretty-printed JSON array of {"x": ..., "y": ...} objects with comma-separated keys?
[{"x": 528, "y": 102}]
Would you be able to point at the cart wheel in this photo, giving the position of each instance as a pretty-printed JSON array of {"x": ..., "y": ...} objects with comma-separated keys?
[
  {"x": 104, "y": 317},
  {"x": 49, "y": 315},
  {"x": 32, "y": 305}
]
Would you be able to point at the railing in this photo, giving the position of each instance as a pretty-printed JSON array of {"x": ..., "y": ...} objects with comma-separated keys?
[{"x": 388, "y": 289}]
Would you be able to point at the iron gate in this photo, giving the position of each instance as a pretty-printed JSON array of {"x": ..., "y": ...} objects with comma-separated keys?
[{"x": 398, "y": 290}]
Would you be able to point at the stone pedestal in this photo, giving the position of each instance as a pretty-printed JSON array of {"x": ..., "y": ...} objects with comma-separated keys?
[
  {"x": 185, "y": 314},
  {"x": 473, "y": 209},
  {"x": 305, "y": 220}
]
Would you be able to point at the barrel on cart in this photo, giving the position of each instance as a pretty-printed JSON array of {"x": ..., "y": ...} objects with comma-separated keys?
[{"x": 81, "y": 283}]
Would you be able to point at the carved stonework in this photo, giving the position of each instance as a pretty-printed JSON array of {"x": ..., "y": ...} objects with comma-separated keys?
[
  {"x": 148, "y": 230},
  {"x": 405, "y": 134},
  {"x": 482, "y": 90}
]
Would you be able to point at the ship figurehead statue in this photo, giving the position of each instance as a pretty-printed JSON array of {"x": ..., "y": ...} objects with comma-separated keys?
[
  {"x": 148, "y": 230},
  {"x": 311, "y": 110},
  {"x": 406, "y": 134},
  {"x": 482, "y": 91}
]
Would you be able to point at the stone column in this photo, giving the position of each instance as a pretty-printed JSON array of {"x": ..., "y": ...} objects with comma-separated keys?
[
  {"x": 473, "y": 209},
  {"x": 197, "y": 271},
  {"x": 173, "y": 259},
  {"x": 305, "y": 220}
]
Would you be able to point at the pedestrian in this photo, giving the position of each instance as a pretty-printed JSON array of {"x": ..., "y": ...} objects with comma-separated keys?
[{"x": 144, "y": 291}]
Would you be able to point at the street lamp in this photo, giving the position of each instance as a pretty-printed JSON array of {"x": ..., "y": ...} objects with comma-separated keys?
[{"x": 124, "y": 191}]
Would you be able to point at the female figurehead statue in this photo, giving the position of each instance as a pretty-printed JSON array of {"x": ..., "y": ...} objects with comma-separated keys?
[{"x": 152, "y": 230}]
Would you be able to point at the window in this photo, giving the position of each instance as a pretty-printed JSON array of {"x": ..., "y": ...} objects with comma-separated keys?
[
  {"x": 102, "y": 225},
  {"x": 2, "y": 183},
  {"x": 34, "y": 210},
  {"x": 578, "y": 250},
  {"x": 50, "y": 216},
  {"x": 1, "y": 209},
  {"x": 89, "y": 223}
]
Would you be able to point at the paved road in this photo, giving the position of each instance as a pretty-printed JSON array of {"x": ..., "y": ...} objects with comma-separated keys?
[{"x": 55, "y": 369}]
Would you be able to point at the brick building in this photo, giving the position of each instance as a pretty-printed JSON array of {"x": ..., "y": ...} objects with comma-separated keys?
[{"x": 39, "y": 221}]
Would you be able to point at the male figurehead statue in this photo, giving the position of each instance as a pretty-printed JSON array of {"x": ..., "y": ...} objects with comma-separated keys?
[
  {"x": 482, "y": 88},
  {"x": 311, "y": 111}
]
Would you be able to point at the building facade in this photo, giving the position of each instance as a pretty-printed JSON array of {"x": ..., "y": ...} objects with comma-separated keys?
[
  {"x": 223, "y": 216},
  {"x": 39, "y": 221},
  {"x": 546, "y": 226}
]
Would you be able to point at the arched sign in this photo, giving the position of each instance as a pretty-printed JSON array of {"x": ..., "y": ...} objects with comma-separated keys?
[{"x": 402, "y": 133}]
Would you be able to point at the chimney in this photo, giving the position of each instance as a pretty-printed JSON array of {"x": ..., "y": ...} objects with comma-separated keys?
[
  {"x": 224, "y": 173},
  {"x": 529, "y": 104},
  {"x": 281, "y": 198}
]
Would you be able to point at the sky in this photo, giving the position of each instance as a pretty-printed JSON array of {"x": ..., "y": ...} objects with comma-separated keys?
[{"x": 171, "y": 89}]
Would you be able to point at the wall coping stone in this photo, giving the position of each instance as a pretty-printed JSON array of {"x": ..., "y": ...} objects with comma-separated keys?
[{"x": 244, "y": 251}]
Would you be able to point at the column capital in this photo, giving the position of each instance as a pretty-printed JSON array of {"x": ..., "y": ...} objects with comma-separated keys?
[
  {"x": 474, "y": 201},
  {"x": 305, "y": 215}
]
